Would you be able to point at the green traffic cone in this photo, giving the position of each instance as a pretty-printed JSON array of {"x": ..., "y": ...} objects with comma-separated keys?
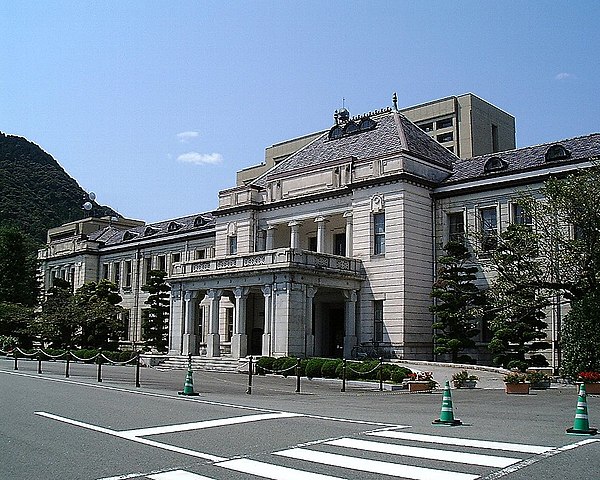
[
  {"x": 188, "y": 387},
  {"x": 581, "y": 425},
  {"x": 447, "y": 414}
]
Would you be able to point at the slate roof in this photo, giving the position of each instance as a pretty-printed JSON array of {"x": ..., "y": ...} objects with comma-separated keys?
[
  {"x": 524, "y": 159},
  {"x": 113, "y": 236},
  {"x": 394, "y": 133}
]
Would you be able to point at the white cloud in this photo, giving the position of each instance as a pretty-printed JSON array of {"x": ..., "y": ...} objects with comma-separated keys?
[
  {"x": 185, "y": 137},
  {"x": 564, "y": 76},
  {"x": 200, "y": 158}
]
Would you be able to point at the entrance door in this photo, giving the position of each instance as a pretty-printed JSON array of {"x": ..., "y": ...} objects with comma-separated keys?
[
  {"x": 339, "y": 244},
  {"x": 333, "y": 333}
]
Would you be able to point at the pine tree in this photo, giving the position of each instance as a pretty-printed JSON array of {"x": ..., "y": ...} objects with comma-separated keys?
[
  {"x": 155, "y": 322},
  {"x": 458, "y": 303},
  {"x": 518, "y": 304}
]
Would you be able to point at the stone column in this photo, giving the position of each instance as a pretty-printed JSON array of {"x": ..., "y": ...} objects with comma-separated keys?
[
  {"x": 321, "y": 221},
  {"x": 239, "y": 340},
  {"x": 266, "y": 340},
  {"x": 269, "y": 243},
  {"x": 189, "y": 339},
  {"x": 350, "y": 322},
  {"x": 294, "y": 234},
  {"x": 310, "y": 337},
  {"x": 213, "y": 339},
  {"x": 348, "y": 217}
]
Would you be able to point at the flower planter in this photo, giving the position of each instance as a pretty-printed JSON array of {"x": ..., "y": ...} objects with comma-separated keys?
[
  {"x": 517, "y": 388},
  {"x": 591, "y": 388},
  {"x": 419, "y": 385},
  {"x": 541, "y": 385},
  {"x": 466, "y": 384}
]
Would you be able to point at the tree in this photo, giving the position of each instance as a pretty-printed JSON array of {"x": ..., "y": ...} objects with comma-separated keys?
[
  {"x": 99, "y": 313},
  {"x": 18, "y": 283},
  {"x": 155, "y": 322},
  {"x": 458, "y": 302},
  {"x": 517, "y": 303},
  {"x": 59, "y": 322},
  {"x": 581, "y": 337}
]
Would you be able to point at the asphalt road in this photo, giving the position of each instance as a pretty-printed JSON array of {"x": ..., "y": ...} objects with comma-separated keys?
[{"x": 76, "y": 428}]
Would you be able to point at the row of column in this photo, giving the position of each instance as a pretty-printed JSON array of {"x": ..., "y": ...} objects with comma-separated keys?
[
  {"x": 321, "y": 222},
  {"x": 239, "y": 339}
]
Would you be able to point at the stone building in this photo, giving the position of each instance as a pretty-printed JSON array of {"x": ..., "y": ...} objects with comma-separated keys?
[{"x": 330, "y": 250}]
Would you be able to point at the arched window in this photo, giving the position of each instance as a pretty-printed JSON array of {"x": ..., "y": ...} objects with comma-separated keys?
[
  {"x": 129, "y": 235},
  {"x": 366, "y": 124},
  {"x": 494, "y": 164},
  {"x": 199, "y": 221},
  {"x": 557, "y": 152},
  {"x": 351, "y": 127},
  {"x": 174, "y": 226},
  {"x": 150, "y": 231},
  {"x": 336, "y": 132}
]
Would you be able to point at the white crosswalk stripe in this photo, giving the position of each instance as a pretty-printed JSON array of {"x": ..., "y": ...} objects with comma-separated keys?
[{"x": 351, "y": 455}]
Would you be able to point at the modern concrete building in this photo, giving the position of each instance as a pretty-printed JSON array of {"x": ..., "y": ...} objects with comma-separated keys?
[{"x": 330, "y": 250}]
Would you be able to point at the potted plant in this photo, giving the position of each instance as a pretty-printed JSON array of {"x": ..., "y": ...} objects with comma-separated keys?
[
  {"x": 462, "y": 379},
  {"x": 538, "y": 380},
  {"x": 420, "y": 381},
  {"x": 516, "y": 383},
  {"x": 591, "y": 381}
]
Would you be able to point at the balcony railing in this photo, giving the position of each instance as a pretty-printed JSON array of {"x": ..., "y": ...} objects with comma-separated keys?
[{"x": 270, "y": 259}]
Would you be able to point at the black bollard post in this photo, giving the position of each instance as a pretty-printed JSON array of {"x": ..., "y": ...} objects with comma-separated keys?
[
  {"x": 298, "y": 376},
  {"x": 344, "y": 375},
  {"x": 99, "y": 361},
  {"x": 40, "y": 361},
  {"x": 16, "y": 359},
  {"x": 137, "y": 370},
  {"x": 68, "y": 362},
  {"x": 380, "y": 374},
  {"x": 249, "y": 390}
]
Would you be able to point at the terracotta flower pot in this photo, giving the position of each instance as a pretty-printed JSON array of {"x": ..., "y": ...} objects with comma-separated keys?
[
  {"x": 517, "y": 388},
  {"x": 418, "y": 385}
]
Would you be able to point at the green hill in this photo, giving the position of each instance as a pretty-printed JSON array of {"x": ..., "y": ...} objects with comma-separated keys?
[{"x": 35, "y": 191}]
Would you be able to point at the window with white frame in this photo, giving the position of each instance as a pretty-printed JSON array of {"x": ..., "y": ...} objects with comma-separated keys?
[
  {"x": 378, "y": 321},
  {"x": 117, "y": 270},
  {"x": 520, "y": 216},
  {"x": 232, "y": 244},
  {"x": 488, "y": 221},
  {"x": 379, "y": 233},
  {"x": 456, "y": 227},
  {"x": 127, "y": 274}
]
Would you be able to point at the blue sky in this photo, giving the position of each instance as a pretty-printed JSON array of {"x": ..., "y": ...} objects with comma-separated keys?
[{"x": 154, "y": 105}]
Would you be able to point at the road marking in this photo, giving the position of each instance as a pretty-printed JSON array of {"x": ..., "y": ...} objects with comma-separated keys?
[
  {"x": 463, "y": 442},
  {"x": 444, "y": 455},
  {"x": 274, "y": 472},
  {"x": 144, "y": 441},
  {"x": 220, "y": 422},
  {"x": 178, "y": 475},
  {"x": 374, "y": 466}
]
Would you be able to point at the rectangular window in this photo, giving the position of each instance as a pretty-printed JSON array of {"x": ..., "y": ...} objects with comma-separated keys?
[
  {"x": 379, "y": 233},
  {"x": 445, "y": 137},
  {"x": 105, "y": 271},
  {"x": 378, "y": 321},
  {"x": 228, "y": 324},
  {"x": 147, "y": 269},
  {"x": 200, "y": 254},
  {"x": 521, "y": 217},
  {"x": 125, "y": 315},
  {"x": 489, "y": 228},
  {"x": 340, "y": 244},
  {"x": 176, "y": 257},
  {"x": 426, "y": 127},
  {"x": 495, "y": 144},
  {"x": 117, "y": 268},
  {"x": 312, "y": 244},
  {"x": 162, "y": 263},
  {"x": 456, "y": 227},
  {"x": 444, "y": 123},
  {"x": 232, "y": 245},
  {"x": 128, "y": 273}
]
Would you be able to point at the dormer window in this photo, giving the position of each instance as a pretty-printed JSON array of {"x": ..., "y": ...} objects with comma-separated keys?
[
  {"x": 129, "y": 235},
  {"x": 174, "y": 226},
  {"x": 199, "y": 221},
  {"x": 366, "y": 124},
  {"x": 351, "y": 128},
  {"x": 557, "y": 152},
  {"x": 494, "y": 164},
  {"x": 150, "y": 231},
  {"x": 344, "y": 126},
  {"x": 335, "y": 132}
]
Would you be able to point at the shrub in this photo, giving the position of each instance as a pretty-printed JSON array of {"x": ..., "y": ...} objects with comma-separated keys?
[
  {"x": 313, "y": 367},
  {"x": 264, "y": 365},
  {"x": 329, "y": 367},
  {"x": 520, "y": 365},
  {"x": 400, "y": 373}
]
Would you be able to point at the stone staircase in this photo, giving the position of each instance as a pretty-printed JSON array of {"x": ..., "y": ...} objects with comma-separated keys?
[{"x": 212, "y": 364}]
